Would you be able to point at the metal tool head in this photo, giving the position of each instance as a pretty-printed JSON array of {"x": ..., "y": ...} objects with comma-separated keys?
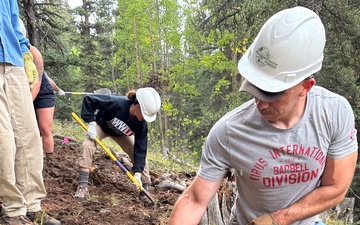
[{"x": 102, "y": 91}]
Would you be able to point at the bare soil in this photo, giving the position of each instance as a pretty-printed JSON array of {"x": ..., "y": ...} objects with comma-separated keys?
[{"x": 113, "y": 197}]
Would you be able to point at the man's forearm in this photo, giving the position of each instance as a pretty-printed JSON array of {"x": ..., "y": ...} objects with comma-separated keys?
[
  {"x": 335, "y": 182},
  {"x": 191, "y": 205},
  {"x": 186, "y": 212}
]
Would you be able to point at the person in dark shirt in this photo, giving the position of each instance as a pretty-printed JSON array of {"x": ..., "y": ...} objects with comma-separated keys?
[{"x": 124, "y": 119}]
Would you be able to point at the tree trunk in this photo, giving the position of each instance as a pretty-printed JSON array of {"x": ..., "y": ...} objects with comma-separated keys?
[
  {"x": 218, "y": 211},
  {"x": 234, "y": 83},
  {"x": 213, "y": 214},
  {"x": 137, "y": 55},
  {"x": 344, "y": 211},
  {"x": 30, "y": 23}
]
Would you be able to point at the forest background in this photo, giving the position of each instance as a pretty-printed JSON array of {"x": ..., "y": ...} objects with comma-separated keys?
[{"x": 187, "y": 50}]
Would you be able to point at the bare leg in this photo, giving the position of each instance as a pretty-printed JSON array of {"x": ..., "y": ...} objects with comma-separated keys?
[{"x": 45, "y": 120}]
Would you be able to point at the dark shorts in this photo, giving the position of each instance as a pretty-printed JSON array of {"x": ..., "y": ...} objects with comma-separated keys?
[{"x": 46, "y": 96}]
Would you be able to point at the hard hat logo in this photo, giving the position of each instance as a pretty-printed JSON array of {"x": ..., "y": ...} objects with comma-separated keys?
[
  {"x": 149, "y": 101},
  {"x": 263, "y": 58}
]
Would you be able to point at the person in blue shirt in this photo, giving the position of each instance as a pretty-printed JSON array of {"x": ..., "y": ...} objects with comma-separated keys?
[
  {"x": 124, "y": 119},
  {"x": 21, "y": 182}
]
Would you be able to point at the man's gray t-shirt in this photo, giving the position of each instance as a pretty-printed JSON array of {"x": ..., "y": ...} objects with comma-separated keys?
[{"x": 276, "y": 167}]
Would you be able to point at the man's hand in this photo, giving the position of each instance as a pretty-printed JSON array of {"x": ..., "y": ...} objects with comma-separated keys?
[
  {"x": 30, "y": 69},
  {"x": 91, "y": 132},
  {"x": 137, "y": 176},
  {"x": 266, "y": 219},
  {"x": 60, "y": 92}
]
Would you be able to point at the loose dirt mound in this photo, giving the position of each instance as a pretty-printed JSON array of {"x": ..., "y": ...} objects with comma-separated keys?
[{"x": 113, "y": 197}]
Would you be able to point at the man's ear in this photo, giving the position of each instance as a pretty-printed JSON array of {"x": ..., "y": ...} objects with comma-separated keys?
[{"x": 307, "y": 85}]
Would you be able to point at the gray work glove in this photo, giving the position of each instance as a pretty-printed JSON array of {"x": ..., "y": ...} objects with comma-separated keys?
[
  {"x": 60, "y": 92},
  {"x": 137, "y": 176},
  {"x": 91, "y": 132}
]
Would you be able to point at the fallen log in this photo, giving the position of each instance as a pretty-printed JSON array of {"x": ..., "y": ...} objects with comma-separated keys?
[{"x": 168, "y": 184}]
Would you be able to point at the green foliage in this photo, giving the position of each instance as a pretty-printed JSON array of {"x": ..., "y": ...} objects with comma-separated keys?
[
  {"x": 167, "y": 165},
  {"x": 65, "y": 105},
  {"x": 68, "y": 129}
]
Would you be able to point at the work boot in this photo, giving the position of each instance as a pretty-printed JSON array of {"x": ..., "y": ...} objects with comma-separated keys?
[
  {"x": 16, "y": 220},
  {"x": 143, "y": 197},
  {"x": 40, "y": 217},
  {"x": 49, "y": 158},
  {"x": 82, "y": 193}
]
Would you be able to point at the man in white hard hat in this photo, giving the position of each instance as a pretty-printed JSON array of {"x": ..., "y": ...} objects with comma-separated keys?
[
  {"x": 293, "y": 146},
  {"x": 124, "y": 119}
]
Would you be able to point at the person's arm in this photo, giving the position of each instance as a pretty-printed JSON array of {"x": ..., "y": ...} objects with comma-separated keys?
[
  {"x": 140, "y": 149},
  {"x": 54, "y": 85},
  {"x": 39, "y": 63},
  {"x": 91, "y": 103},
  {"x": 192, "y": 204},
  {"x": 335, "y": 182}
]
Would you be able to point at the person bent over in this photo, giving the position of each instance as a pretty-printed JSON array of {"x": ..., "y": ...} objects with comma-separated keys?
[{"x": 124, "y": 119}]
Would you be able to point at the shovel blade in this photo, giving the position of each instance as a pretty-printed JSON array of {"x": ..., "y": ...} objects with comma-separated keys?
[{"x": 102, "y": 91}]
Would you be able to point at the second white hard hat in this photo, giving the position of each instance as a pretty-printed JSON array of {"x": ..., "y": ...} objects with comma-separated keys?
[
  {"x": 288, "y": 49},
  {"x": 149, "y": 101}
]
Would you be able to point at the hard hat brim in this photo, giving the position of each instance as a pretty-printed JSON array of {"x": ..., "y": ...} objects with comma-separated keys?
[
  {"x": 260, "y": 94},
  {"x": 149, "y": 119}
]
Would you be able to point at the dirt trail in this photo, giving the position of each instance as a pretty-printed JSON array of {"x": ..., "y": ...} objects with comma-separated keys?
[{"x": 113, "y": 198}]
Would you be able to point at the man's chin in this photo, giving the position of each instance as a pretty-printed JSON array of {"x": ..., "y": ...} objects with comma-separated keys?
[{"x": 270, "y": 117}]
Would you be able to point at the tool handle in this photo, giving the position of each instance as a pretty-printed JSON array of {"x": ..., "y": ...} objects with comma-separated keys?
[
  {"x": 96, "y": 139},
  {"x": 77, "y": 93}
]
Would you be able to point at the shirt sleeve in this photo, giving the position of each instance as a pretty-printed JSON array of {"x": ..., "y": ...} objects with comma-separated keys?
[
  {"x": 344, "y": 133},
  {"x": 92, "y": 103},
  {"x": 140, "y": 149},
  {"x": 215, "y": 159},
  {"x": 23, "y": 41}
]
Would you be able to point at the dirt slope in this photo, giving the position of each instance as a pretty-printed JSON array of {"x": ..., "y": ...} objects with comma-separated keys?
[{"x": 113, "y": 198}]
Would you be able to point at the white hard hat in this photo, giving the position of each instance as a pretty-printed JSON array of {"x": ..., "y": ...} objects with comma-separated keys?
[
  {"x": 22, "y": 27},
  {"x": 288, "y": 49},
  {"x": 149, "y": 101}
]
